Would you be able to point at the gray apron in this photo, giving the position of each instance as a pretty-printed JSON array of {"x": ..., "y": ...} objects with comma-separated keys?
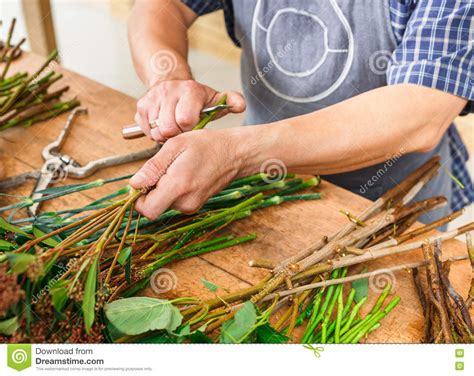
[{"x": 299, "y": 56}]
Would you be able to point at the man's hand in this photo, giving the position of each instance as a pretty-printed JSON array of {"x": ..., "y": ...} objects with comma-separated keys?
[
  {"x": 177, "y": 105},
  {"x": 188, "y": 169}
]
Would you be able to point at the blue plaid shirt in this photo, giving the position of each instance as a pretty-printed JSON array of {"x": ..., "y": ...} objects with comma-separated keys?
[{"x": 435, "y": 49}]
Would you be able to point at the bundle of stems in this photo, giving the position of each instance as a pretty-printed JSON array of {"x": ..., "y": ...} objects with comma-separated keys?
[
  {"x": 70, "y": 264},
  {"x": 27, "y": 99},
  {"x": 86, "y": 261},
  {"x": 9, "y": 51},
  {"x": 112, "y": 253},
  {"x": 381, "y": 230},
  {"x": 447, "y": 318}
]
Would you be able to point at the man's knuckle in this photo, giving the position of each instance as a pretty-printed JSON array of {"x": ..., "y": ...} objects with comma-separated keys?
[
  {"x": 148, "y": 212},
  {"x": 190, "y": 85},
  {"x": 184, "y": 119},
  {"x": 168, "y": 130},
  {"x": 189, "y": 205},
  {"x": 154, "y": 166},
  {"x": 141, "y": 106}
]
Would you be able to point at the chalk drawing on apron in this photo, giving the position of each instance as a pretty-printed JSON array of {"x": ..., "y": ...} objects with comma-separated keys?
[{"x": 273, "y": 47}]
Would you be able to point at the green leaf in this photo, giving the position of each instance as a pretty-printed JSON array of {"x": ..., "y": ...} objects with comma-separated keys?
[
  {"x": 113, "y": 332},
  {"x": 123, "y": 256},
  {"x": 268, "y": 334},
  {"x": 235, "y": 330},
  {"x": 138, "y": 315},
  {"x": 88, "y": 303},
  {"x": 128, "y": 269},
  {"x": 11, "y": 228},
  {"x": 161, "y": 338},
  {"x": 19, "y": 262},
  {"x": 361, "y": 287},
  {"x": 9, "y": 326},
  {"x": 199, "y": 337},
  {"x": 6, "y": 246},
  {"x": 39, "y": 231},
  {"x": 59, "y": 295},
  {"x": 212, "y": 287}
]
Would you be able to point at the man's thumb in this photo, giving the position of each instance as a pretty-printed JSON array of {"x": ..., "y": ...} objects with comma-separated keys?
[
  {"x": 236, "y": 101},
  {"x": 148, "y": 175}
]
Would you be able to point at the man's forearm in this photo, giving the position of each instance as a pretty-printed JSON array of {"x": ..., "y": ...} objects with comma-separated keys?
[
  {"x": 353, "y": 134},
  {"x": 158, "y": 40}
]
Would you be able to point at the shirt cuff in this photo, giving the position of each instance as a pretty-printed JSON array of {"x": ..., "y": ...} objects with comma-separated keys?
[
  {"x": 201, "y": 7},
  {"x": 440, "y": 74}
]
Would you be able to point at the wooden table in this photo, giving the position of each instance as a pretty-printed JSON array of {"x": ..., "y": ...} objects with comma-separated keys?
[{"x": 281, "y": 230}]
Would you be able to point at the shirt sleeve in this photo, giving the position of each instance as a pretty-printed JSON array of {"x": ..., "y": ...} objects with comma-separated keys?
[
  {"x": 436, "y": 49},
  {"x": 201, "y": 7}
]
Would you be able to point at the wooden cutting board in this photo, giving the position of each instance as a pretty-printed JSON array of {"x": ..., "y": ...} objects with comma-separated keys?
[{"x": 281, "y": 231}]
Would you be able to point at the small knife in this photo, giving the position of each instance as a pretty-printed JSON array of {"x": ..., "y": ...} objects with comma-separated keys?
[{"x": 132, "y": 131}]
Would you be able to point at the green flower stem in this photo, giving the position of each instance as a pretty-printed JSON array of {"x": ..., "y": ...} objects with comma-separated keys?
[
  {"x": 26, "y": 82},
  {"x": 313, "y": 182},
  {"x": 247, "y": 180},
  {"x": 216, "y": 217},
  {"x": 331, "y": 305},
  {"x": 353, "y": 315},
  {"x": 331, "y": 337},
  {"x": 353, "y": 332},
  {"x": 381, "y": 298},
  {"x": 350, "y": 299},
  {"x": 208, "y": 117},
  {"x": 227, "y": 244},
  {"x": 312, "y": 324},
  {"x": 308, "y": 196},
  {"x": 374, "y": 319},
  {"x": 340, "y": 307},
  {"x": 330, "y": 331},
  {"x": 224, "y": 198},
  {"x": 245, "y": 189}
]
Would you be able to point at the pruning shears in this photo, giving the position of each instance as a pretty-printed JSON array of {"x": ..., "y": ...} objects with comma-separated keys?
[{"x": 58, "y": 166}]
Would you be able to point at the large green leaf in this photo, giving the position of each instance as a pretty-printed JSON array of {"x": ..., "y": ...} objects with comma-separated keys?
[
  {"x": 88, "y": 303},
  {"x": 9, "y": 326},
  {"x": 235, "y": 330},
  {"x": 138, "y": 315},
  {"x": 361, "y": 287},
  {"x": 6, "y": 246},
  {"x": 11, "y": 228},
  {"x": 19, "y": 262}
]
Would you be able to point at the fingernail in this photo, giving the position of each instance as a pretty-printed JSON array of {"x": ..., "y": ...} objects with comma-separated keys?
[{"x": 138, "y": 180}]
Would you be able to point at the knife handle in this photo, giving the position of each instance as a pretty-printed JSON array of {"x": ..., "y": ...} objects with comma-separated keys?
[{"x": 129, "y": 132}]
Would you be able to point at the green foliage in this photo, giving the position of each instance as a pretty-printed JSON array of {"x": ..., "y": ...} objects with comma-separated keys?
[
  {"x": 124, "y": 255},
  {"x": 212, "y": 287},
  {"x": 19, "y": 262},
  {"x": 88, "y": 304},
  {"x": 4, "y": 225},
  {"x": 9, "y": 326},
  {"x": 137, "y": 315},
  {"x": 6, "y": 246},
  {"x": 361, "y": 287},
  {"x": 238, "y": 328},
  {"x": 268, "y": 334},
  {"x": 59, "y": 295},
  {"x": 41, "y": 230}
]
